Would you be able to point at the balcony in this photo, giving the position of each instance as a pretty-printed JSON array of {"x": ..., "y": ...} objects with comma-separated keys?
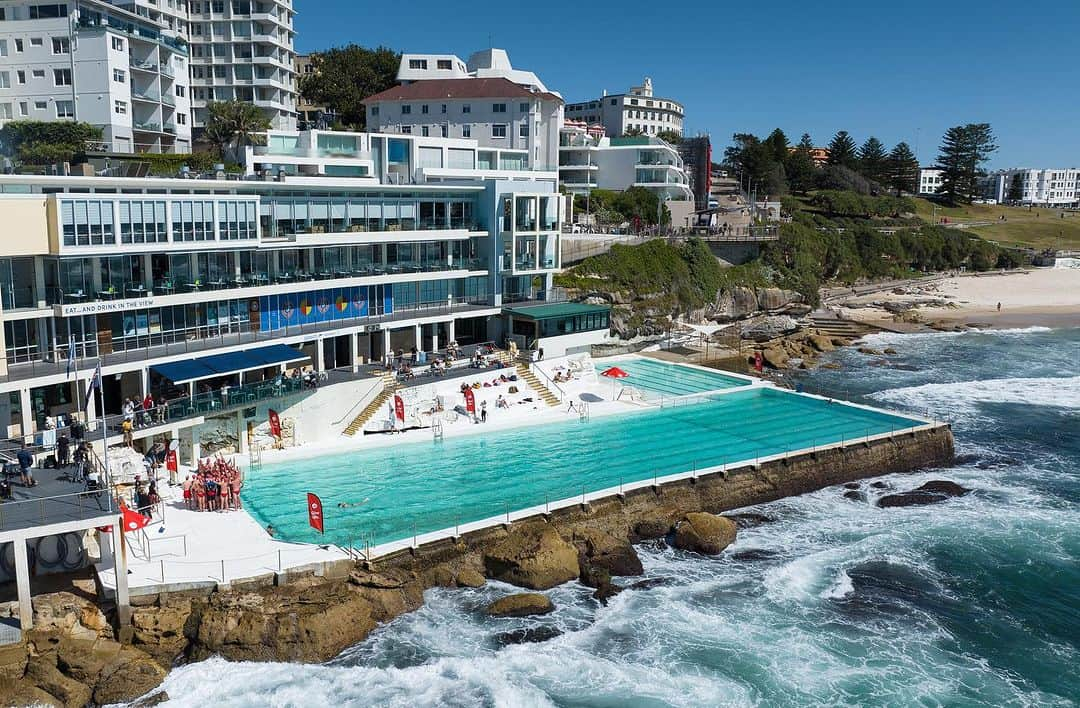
[
  {"x": 145, "y": 96},
  {"x": 147, "y": 66},
  {"x": 146, "y": 127}
]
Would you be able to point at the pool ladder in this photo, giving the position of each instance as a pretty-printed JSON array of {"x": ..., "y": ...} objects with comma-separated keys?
[{"x": 437, "y": 429}]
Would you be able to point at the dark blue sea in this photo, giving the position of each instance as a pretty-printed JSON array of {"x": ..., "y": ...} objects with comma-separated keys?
[{"x": 971, "y": 602}]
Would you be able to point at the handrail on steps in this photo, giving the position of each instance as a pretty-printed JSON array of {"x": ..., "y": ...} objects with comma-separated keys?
[{"x": 376, "y": 388}]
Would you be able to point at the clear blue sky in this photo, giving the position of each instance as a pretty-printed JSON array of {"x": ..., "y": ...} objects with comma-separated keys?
[{"x": 902, "y": 70}]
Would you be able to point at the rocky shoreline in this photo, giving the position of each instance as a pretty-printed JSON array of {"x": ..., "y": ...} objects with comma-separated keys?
[{"x": 75, "y": 658}]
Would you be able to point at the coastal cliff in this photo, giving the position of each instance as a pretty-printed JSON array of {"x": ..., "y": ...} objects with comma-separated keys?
[{"x": 75, "y": 659}]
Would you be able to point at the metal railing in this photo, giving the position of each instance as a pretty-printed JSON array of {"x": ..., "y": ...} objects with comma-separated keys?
[{"x": 77, "y": 506}]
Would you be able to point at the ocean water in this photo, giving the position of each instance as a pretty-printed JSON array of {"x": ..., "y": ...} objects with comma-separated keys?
[{"x": 973, "y": 602}]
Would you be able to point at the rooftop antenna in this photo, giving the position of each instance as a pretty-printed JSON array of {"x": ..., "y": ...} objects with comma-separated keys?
[{"x": 491, "y": 41}]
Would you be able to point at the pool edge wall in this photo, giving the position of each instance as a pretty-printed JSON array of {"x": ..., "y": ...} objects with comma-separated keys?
[{"x": 716, "y": 492}]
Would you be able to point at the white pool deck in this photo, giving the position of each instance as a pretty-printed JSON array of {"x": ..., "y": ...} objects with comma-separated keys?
[{"x": 189, "y": 549}]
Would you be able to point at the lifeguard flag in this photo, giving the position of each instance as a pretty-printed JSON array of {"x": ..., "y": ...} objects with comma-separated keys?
[
  {"x": 275, "y": 424},
  {"x": 470, "y": 401},
  {"x": 171, "y": 463},
  {"x": 399, "y": 408},
  {"x": 314, "y": 512},
  {"x": 133, "y": 520}
]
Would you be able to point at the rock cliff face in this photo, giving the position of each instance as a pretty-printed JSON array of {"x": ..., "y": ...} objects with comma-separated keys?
[{"x": 740, "y": 302}]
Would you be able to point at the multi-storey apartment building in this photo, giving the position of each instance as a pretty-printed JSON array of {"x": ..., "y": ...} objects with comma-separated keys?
[
  {"x": 89, "y": 60},
  {"x": 1049, "y": 187},
  {"x": 243, "y": 50},
  {"x": 638, "y": 110},
  {"x": 486, "y": 100},
  {"x": 590, "y": 160},
  {"x": 342, "y": 246},
  {"x": 930, "y": 180}
]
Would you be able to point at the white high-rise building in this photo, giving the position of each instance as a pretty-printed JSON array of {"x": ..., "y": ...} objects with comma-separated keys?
[
  {"x": 243, "y": 50},
  {"x": 115, "y": 67},
  {"x": 507, "y": 110},
  {"x": 639, "y": 110}
]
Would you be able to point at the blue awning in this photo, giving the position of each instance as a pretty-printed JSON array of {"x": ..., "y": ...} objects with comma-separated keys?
[{"x": 209, "y": 367}]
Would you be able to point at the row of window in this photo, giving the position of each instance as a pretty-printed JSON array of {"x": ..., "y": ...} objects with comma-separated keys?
[
  {"x": 498, "y": 130},
  {"x": 61, "y": 77},
  {"x": 63, "y": 109},
  {"x": 91, "y": 222},
  {"x": 407, "y": 109}
]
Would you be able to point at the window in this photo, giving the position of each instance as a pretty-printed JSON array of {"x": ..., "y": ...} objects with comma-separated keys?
[
  {"x": 466, "y": 108},
  {"x": 39, "y": 73},
  {"x": 18, "y": 45},
  {"x": 3, "y": 47},
  {"x": 40, "y": 105},
  {"x": 523, "y": 130},
  {"x": 523, "y": 107},
  {"x": 443, "y": 108},
  {"x": 5, "y": 80},
  {"x": 443, "y": 130},
  {"x": 24, "y": 108},
  {"x": 61, "y": 45},
  {"x": 498, "y": 108},
  {"x": 20, "y": 76},
  {"x": 418, "y": 64},
  {"x": 5, "y": 111},
  {"x": 181, "y": 91},
  {"x": 41, "y": 12},
  {"x": 424, "y": 131},
  {"x": 424, "y": 109},
  {"x": 406, "y": 130},
  {"x": 62, "y": 77},
  {"x": 614, "y": 102},
  {"x": 65, "y": 109},
  {"x": 466, "y": 131},
  {"x": 498, "y": 130},
  {"x": 406, "y": 110},
  {"x": 444, "y": 64},
  {"x": 117, "y": 44},
  {"x": 181, "y": 119},
  {"x": 374, "y": 110},
  {"x": 37, "y": 42},
  {"x": 118, "y": 76},
  {"x": 120, "y": 107}
]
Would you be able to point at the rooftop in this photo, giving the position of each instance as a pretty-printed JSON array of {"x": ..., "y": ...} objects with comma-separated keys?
[
  {"x": 435, "y": 89},
  {"x": 555, "y": 310}
]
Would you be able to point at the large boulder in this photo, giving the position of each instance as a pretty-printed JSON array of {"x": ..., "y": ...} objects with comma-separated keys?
[
  {"x": 159, "y": 630},
  {"x": 704, "y": 533},
  {"x": 735, "y": 304},
  {"x": 70, "y": 615},
  {"x": 930, "y": 493},
  {"x": 775, "y": 357},
  {"x": 521, "y": 605},
  {"x": 469, "y": 578},
  {"x": 131, "y": 675},
  {"x": 821, "y": 342},
  {"x": 776, "y": 298},
  {"x": 602, "y": 550},
  {"x": 532, "y": 556},
  {"x": 765, "y": 328},
  {"x": 42, "y": 672}
]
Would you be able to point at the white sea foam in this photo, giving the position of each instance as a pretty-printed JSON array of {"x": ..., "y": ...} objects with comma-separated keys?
[{"x": 959, "y": 401}]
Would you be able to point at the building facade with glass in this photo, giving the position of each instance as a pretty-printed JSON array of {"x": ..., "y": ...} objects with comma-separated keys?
[{"x": 343, "y": 246}]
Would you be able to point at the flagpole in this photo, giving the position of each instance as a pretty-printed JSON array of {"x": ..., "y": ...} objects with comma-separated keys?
[{"x": 104, "y": 423}]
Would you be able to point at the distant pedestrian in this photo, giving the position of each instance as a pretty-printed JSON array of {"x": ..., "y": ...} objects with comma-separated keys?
[
  {"x": 483, "y": 412},
  {"x": 999, "y": 307},
  {"x": 26, "y": 464}
]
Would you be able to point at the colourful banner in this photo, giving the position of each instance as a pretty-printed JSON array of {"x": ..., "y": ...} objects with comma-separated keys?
[
  {"x": 399, "y": 408},
  {"x": 281, "y": 311},
  {"x": 470, "y": 401},
  {"x": 275, "y": 424}
]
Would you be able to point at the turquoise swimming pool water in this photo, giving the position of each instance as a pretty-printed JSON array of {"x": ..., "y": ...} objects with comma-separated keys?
[
  {"x": 398, "y": 490},
  {"x": 671, "y": 379}
]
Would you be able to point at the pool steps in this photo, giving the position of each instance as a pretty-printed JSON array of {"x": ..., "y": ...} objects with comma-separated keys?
[{"x": 390, "y": 386}]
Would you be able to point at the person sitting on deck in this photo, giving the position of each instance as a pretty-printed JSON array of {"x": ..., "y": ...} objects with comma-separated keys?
[{"x": 501, "y": 402}]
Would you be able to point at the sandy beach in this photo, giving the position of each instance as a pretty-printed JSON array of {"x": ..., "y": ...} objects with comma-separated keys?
[{"x": 1047, "y": 297}]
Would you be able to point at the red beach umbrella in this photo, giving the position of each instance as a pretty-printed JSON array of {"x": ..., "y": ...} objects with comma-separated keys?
[{"x": 615, "y": 373}]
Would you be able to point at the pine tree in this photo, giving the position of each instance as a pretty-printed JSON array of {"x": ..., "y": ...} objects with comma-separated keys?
[
  {"x": 842, "y": 150},
  {"x": 903, "y": 169},
  {"x": 800, "y": 166},
  {"x": 1016, "y": 188},
  {"x": 872, "y": 160},
  {"x": 777, "y": 143},
  {"x": 964, "y": 149}
]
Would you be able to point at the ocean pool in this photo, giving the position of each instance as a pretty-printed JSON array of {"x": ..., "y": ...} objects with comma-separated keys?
[
  {"x": 396, "y": 491},
  {"x": 660, "y": 377}
]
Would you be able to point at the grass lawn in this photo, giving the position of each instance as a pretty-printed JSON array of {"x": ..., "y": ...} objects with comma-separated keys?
[{"x": 1035, "y": 228}]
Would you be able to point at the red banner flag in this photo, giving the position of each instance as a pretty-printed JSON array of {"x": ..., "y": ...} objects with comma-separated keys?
[
  {"x": 171, "y": 463},
  {"x": 759, "y": 362},
  {"x": 133, "y": 520},
  {"x": 399, "y": 408},
  {"x": 314, "y": 512},
  {"x": 275, "y": 424},
  {"x": 470, "y": 401}
]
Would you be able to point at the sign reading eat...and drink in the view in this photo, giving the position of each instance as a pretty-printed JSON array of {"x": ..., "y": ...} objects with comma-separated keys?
[{"x": 93, "y": 308}]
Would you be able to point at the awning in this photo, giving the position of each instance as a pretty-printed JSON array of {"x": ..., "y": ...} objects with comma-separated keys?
[{"x": 209, "y": 367}]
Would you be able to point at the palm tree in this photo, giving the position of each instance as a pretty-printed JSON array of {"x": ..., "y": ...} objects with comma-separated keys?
[{"x": 233, "y": 125}]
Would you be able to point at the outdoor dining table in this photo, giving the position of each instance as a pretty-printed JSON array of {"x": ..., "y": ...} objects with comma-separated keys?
[
  {"x": 107, "y": 294},
  {"x": 216, "y": 284},
  {"x": 136, "y": 290}
]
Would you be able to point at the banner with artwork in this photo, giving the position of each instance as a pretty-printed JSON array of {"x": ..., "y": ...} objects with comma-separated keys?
[{"x": 281, "y": 311}]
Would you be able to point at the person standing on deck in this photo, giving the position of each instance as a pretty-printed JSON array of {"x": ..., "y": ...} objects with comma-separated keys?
[
  {"x": 483, "y": 411},
  {"x": 26, "y": 464}
]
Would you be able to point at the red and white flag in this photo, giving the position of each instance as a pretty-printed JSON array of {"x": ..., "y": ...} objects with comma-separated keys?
[
  {"x": 314, "y": 512},
  {"x": 470, "y": 401},
  {"x": 399, "y": 408},
  {"x": 275, "y": 423},
  {"x": 133, "y": 520}
]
